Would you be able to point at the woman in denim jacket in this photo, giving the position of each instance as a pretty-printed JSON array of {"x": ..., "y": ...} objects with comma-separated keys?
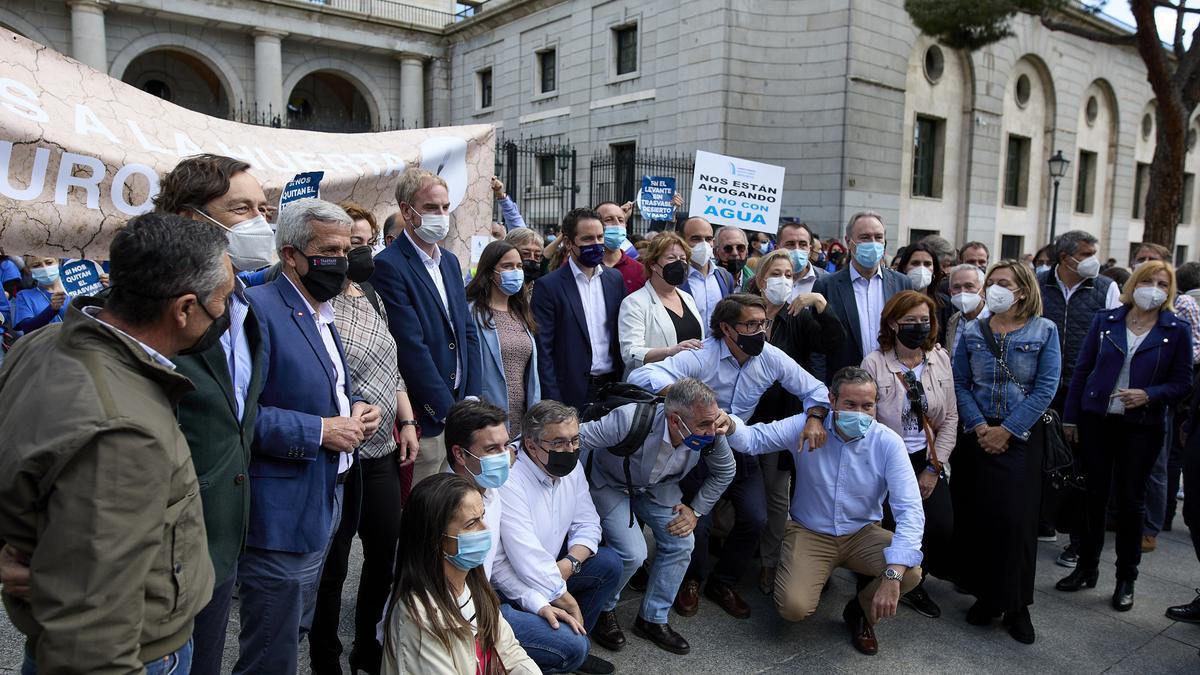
[
  {"x": 996, "y": 479},
  {"x": 1135, "y": 362}
]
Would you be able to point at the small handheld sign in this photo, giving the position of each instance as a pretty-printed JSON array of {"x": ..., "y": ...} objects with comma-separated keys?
[
  {"x": 654, "y": 199},
  {"x": 80, "y": 277}
]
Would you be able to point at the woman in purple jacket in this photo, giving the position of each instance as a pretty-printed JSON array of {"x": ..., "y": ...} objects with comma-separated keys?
[{"x": 1135, "y": 363}]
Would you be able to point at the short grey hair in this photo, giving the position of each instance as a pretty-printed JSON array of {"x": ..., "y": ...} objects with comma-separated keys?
[
  {"x": 523, "y": 235},
  {"x": 543, "y": 414},
  {"x": 859, "y": 216},
  {"x": 851, "y": 375},
  {"x": 411, "y": 182},
  {"x": 296, "y": 219},
  {"x": 967, "y": 267},
  {"x": 1068, "y": 242},
  {"x": 732, "y": 230},
  {"x": 942, "y": 246},
  {"x": 687, "y": 394}
]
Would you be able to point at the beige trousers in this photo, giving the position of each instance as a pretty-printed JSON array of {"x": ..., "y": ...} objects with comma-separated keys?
[{"x": 431, "y": 459}]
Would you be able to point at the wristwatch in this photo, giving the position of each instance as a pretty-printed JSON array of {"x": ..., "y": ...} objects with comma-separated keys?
[
  {"x": 890, "y": 574},
  {"x": 575, "y": 564},
  {"x": 818, "y": 413},
  {"x": 406, "y": 423}
]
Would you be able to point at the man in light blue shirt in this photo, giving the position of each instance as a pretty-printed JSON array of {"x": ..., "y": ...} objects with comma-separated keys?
[{"x": 837, "y": 504}]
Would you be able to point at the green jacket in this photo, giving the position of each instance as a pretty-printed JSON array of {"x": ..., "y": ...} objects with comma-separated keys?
[
  {"x": 97, "y": 487},
  {"x": 221, "y": 445}
]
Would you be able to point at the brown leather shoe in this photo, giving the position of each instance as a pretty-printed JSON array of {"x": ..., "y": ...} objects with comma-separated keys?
[
  {"x": 727, "y": 598},
  {"x": 687, "y": 600},
  {"x": 1149, "y": 543},
  {"x": 607, "y": 633},
  {"x": 862, "y": 636}
]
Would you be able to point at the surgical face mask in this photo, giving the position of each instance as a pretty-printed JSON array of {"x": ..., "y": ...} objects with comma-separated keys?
[
  {"x": 868, "y": 253},
  {"x": 614, "y": 236},
  {"x": 920, "y": 277},
  {"x": 251, "y": 242},
  {"x": 1041, "y": 268},
  {"x": 764, "y": 247},
  {"x": 511, "y": 281},
  {"x": 44, "y": 275},
  {"x": 493, "y": 470},
  {"x": 966, "y": 302},
  {"x": 851, "y": 423},
  {"x": 473, "y": 548},
  {"x": 1088, "y": 268},
  {"x": 1149, "y": 297},
  {"x": 433, "y": 226},
  {"x": 695, "y": 442},
  {"x": 361, "y": 264},
  {"x": 212, "y": 334},
  {"x": 999, "y": 299},
  {"x": 701, "y": 253},
  {"x": 799, "y": 259},
  {"x": 778, "y": 290},
  {"x": 550, "y": 239}
]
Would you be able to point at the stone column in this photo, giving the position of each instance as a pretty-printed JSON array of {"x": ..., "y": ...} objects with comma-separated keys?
[
  {"x": 412, "y": 90},
  {"x": 88, "y": 44},
  {"x": 268, "y": 74}
]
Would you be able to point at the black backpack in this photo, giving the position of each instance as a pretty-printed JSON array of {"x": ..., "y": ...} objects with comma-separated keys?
[{"x": 610, "y": 397}]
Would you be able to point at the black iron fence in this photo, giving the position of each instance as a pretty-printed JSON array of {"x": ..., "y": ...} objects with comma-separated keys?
[
  {"x": 617, "y": 175},
  {"x": 541, "y": 177}
]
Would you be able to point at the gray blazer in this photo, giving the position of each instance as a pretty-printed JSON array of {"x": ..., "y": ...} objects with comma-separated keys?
[
  {"x": 838, "y": 290},
  {"x": 607, "y": 475}
]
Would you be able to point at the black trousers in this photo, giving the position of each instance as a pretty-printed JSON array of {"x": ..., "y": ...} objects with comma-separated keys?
[
  {"x": 211, "y": 627},
  {"x": 378, "y": 526},
  {"x": 938, "y": 538},
  {"x": 749, "y": 518},
  {"x": 1191, "y": 494}
]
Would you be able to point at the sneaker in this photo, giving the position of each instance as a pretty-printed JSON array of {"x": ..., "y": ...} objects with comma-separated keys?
[
  {"x": 1047, "y": 534},
  {"x": 920, "y": 601},
  {"x": 1068, "y": 558}
]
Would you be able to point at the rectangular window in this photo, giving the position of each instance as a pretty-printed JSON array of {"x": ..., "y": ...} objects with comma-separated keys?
[
  {"x": 915, "y": 235},
  {"x": 546, "y": 168},
  {"x": 1016, "y": 171},
  {"x": 1011, "y": 247},
  {"x": 1085, "y": 182},
  {"x": 483, "y": 84},
  {"x": 625, "y": 176},
  {"x": 928, "y": 148},
  {"x": 547, "y": 64},
  {"x": 1141, "y": 183},
  {"x": 1189, "y": 186},
  {"x": 626, "y": 40}
]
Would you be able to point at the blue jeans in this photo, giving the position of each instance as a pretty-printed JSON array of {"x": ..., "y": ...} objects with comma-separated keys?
[
  {"x": 178, "y": 662},
  {"x": 672, "y": 554},
  {"x": 1156, "y": 486},
  {"x": 211, "y": 627},
  {"x": 278, "y": 593}
]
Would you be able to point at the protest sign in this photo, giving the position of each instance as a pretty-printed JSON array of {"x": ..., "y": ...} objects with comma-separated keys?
[
  {"x": 654, "y": 199},
  {"x": 81, "y": 153},
  {"x": 80, "y": 277},
  {"x": 738, "y": 192},
  {"x": 305, "y": 185}
]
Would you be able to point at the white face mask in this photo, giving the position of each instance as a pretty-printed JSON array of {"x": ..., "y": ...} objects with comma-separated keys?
[
  {"x": 433, "y": 228},
  {"x": 1041, "y": 268},
  {"x": 920, "y": 277},
  {"x": 778, "y": 290},
  {"x": 251, "y": 243},
  {"x": 966, "y": 302},
  {"x": 1149, "y": 297},
  {"x": 1088, "y": 268},
  {"x": 701, "y": 253},
  {"x": 999, "y": 299}
]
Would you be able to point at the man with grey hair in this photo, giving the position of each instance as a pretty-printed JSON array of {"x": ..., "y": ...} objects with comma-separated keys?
[
  {"x": 966, "y": 295},
  {"x": 309, "y": 424},
  {"x": 685, "y": 429},
  {"x": 731, "y": 248},
  {"x": 530, "y": 245},
  {"x": 857, "y": 293},
  {"x": 837, "y": 505},
  {"x": 421, "y": 284}
]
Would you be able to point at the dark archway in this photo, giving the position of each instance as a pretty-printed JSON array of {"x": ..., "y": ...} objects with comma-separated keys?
[
  {"x": 327, "y": 101},
  {"x": 181, "y": 78}
]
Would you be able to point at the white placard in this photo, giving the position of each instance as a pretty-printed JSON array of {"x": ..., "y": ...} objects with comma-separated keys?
[{"x": 739, "y": 192}]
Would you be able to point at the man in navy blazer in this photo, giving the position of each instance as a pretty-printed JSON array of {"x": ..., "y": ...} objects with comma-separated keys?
[
  {"x": 422, "y": 287},
  {"x": 857, "y": 294},
  {"x": 576, "y": 309},
  {"x": 308, "y": 425}
]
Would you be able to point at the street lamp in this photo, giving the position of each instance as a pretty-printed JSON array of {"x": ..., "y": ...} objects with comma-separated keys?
[{"x": 1058, "y": 169}]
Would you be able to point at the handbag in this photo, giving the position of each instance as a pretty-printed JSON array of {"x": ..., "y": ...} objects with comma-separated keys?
[{"x": 1058, "y": 461}]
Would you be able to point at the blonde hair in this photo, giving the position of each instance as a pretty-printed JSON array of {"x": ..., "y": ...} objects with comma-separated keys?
[
  {"x": 411, "y": 182},
  {"x": 658, "y": 247},
  {"x": 1031, "y": 305},
  {"x": 764, "y": 265},
  {"x": 1145, "y": 270}
]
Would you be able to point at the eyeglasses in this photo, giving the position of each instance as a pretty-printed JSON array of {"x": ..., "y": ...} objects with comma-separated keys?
[
  {"x": 752, "y": 326},
  {"x": 730, "y": 248},
  {"x": 560, "y": 444},
  {"x": 916, "y": 392}
]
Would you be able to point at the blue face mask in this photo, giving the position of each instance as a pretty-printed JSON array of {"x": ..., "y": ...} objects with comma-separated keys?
[
  {"x": 695, "y": 442},
  {"x": 764, "y": 247},
  {"x": 493, "y": 470},
  {"x": 852, "y": 424},
  {"x": 473, "y": 548},
  {"x": 868, "y": 254},
  {"x": 591, "y": 255},
  {"x": 44, "y": 275},
  {"x": 512, "y": 281},
  {"x": 799, "y": 260},
  {"x": 550, "y": 239},
  {"x": 614, "y": 236}
]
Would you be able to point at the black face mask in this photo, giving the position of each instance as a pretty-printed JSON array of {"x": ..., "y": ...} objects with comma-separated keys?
[
  {"x": 360, "y": 264},
  {"x": 212, "y": 334},
  {"x": 533, "y": 269},
  {"x": 752, "y": 344},
  {"x": 326, "y": 276},
  {"x": 913, "y": 335},
  {"x": 559, "y": 464},
  {"x": 735, "y": 266},
  {"x": 675, "y": 273}
]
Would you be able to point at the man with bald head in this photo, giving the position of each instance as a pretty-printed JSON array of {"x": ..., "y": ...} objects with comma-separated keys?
[
  {"x": 731, "y": 248},
  {"x": 707, "y": 283},
  {"x": 613, "y": 218}
]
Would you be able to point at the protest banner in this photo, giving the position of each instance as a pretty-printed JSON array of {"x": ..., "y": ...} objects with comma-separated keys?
[
  {"x": 80, "y": 277},
  {"x": 305, "y": 185},
  {"x": 654, "y": 199},
  {"x": 738, "y": 192},
  {"x": 81, "y": 153}
]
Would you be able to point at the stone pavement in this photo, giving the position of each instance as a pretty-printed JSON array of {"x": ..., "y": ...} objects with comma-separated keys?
[{"x": 1076, "y": 633}]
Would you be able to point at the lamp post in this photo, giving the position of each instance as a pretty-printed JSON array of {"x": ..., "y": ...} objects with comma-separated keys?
[{"x": 1058, "y": 169}]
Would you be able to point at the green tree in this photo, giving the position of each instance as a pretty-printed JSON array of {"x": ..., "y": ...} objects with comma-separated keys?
[{"x": 1173, "y": 71}]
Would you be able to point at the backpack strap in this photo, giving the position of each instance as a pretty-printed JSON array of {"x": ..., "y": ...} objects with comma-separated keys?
[{"x": 639, "y": 429}]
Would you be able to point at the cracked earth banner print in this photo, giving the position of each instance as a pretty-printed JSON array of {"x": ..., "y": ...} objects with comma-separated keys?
[{"x": 81, "y": 153}]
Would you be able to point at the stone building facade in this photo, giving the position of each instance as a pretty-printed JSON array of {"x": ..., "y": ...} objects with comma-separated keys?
[{"x": 862, "y": 110}]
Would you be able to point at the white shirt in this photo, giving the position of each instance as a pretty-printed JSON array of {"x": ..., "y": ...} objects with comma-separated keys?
[
  {"x": 804, "y": 284},
  {"x": 323, "y": 317},
  {"x": 591, "y": 294},
  {"x": 868, "y": 294},
  {"x": 913, "y": 433},
  {"x": 705, "y": 290},
  {"x": 1132, "y": 341},
  {"x": 93, "y": 312},
  {"x": 433, "y": 267},
  {"x": 671, "y": 460},
  {"x": 541, "y": 512},
  {"x": 1112, "y": 299}
]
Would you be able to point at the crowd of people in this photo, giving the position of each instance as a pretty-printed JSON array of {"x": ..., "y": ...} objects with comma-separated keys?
[{"x": 252, "y": 390}]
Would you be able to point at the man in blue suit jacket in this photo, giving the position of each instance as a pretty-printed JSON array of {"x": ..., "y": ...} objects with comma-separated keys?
[
  {"x": 857, "y": 294},
  {"x": 576, "y": 309},
  {"x": 308, "y": 425},
  {"x": 422, "y": 286}
]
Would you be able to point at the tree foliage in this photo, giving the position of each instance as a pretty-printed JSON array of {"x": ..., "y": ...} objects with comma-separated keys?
[{"x": 972, "y": 24}]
